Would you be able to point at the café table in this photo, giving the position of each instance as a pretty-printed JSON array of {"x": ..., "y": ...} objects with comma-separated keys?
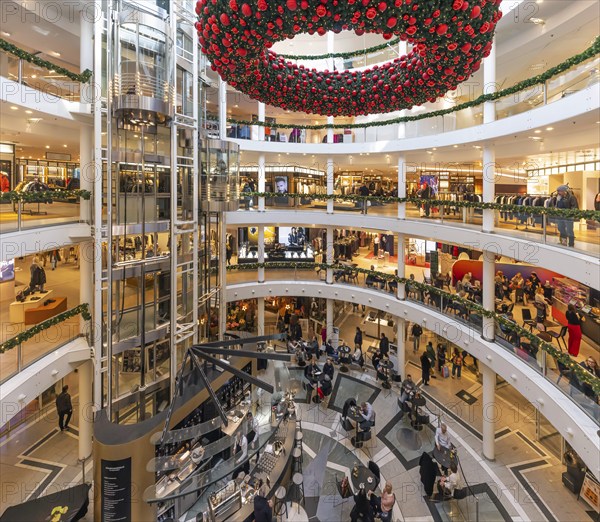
[
  {"x": 363, "y": 474},
  {"x": 317, "y": 379},
  {"x": 384, "y": 367},
  {"x": 344, "y": 358},
  {"x": 444, "y": 456}
]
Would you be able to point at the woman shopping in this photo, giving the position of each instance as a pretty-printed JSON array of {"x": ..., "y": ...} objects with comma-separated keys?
[{"x": 574, "y": 320}]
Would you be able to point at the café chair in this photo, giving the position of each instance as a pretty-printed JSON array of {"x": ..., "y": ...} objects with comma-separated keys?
[
  {"x": 527, "y": 319},
  {"x": 374, "y": 468},
  {"x": 559, "y": 336}
]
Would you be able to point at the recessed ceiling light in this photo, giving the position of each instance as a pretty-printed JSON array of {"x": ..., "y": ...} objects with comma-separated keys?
[
  {"x": 14, "y": 108},
  {"x": 537, "y": 131},
  {"x": 28, "y": 112},
  {"x": 55, "y": 53},
  {"x": 47, "y": 146},
  {"x": 537, "y": 21},
  {"x": 4, "y": 33},
  {"x": 456, "y": 146},
  {"x": 549, "y": 128},
  {"x": 65, "y": 146}
]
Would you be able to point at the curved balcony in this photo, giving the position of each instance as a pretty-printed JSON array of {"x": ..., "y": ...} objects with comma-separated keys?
[
  {"x": 526, "y": 234},
  {"x": 539, "y": 374}
]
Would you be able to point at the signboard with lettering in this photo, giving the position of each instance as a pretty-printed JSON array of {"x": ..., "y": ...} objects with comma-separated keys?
[
  {"x": 590, "y": 492},
  {"x": 116, "y": 490}
]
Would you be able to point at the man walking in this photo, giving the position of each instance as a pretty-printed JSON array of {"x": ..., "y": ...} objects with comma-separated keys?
[{"x": 64, "y": 408}]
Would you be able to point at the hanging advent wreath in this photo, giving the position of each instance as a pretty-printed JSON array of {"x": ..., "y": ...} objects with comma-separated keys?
[{"x": 450, "y": 38}]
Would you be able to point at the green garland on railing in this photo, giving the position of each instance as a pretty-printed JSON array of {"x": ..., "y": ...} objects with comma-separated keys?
[
  {"x": 83, "y": 77},
  {"x": 349, "y": 54},
  {"x": 590, "y": 52},
  {"x": 517, "y": 209},
  {"x": 82, "y": 309},
  {"x": 564, "y": 358},
  {"x": 43, "y": 196}
]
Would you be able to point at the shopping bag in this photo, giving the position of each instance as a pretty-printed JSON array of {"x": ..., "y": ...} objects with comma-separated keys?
[{"x": 445, "y": 372}]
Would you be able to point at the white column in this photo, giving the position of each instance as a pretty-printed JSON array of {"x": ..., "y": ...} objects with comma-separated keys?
[
  {"x": 260, "y": 316},
  {"x": 489, "y": 185},
  {"x": 488, "y": 293},
  {"x": 261, "y": 117},
  {"x": 489, "y": 84},
  {"x": 329, "y": 318},
  {"x": 261, "y": 252},
  {"x": 86, "y": 409},
  {"x": 401, "y": 344},
  {"x": 222, "y": 264},
  {"x": 401, "y": 265},
  {"x": 222, "y": 109},
  {"x": 401, "y": 185},
  {"x": 86, "y": 250},
  {"x": 489, "y": 411},
  {"x": 261, "y": 179},
  {"x": 330, "y": 183},
  {"x": 329, "y": 254}
]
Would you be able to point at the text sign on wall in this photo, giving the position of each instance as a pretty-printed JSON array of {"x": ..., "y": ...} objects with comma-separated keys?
[{"x": 116, "y": 490}]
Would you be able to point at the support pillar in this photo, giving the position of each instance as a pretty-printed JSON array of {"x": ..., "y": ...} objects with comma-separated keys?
[
  {"x": 260, "y": 316},
  {"x": 261, "y": 252},
  {"x": 488, "y": 293},
  {"x": 329, "y": 254},
  {"x": 401, "y": 185},
  {"x": 489, "y": 186},
  {"x": 489, "y": 411},
  {"x": 329, "y": 318},
  {"x": 401, "y": 265},
  {"x": 261, "y": 179},
  {"x": 261, "y": 117},
  {"x": 222, "y": 109},
  {"x": 489, "y": 84},
  {"x": 330, "y": 184},
  {"x": 86, "y": 409},
  {"x": 401, "y": 344}
]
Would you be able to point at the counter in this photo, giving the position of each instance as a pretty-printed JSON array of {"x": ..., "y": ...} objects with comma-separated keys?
[
  {"x": 371, "y": 328},
  {"x": 590, "y": 328}
]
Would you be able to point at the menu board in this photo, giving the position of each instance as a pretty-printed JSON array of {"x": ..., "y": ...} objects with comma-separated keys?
[{"x": 116, "y": 490}]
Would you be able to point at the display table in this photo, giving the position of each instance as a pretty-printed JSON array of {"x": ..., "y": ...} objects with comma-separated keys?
[
  {"x": 43, "y": 312},
  {"x": 16, "y": 312}
]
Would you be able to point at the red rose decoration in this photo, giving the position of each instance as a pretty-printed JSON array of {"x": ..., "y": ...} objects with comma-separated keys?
[{"x": 450, "y": 39}]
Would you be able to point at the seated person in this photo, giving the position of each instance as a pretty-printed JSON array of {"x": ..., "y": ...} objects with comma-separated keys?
[
  {"x": 312, "y": 348},
  {"x": 367, "y": 413},
  {"x": 328, "y": 368},
  {"x": 372, "y": 279},
  {"x": 330, "y": 351},
  {"x": 393, "y": 285},
  {"x": 442, "y": 438},
  {"x": 362, "y": 510},
  {"x": 326, "y": 386},
  {"x": 376, "y": 358},
  {"x": 358, "y": 357},
  {"x": 311, "y": 370},
  {"x": 448, "y": 484},
  {"x": 408, "y": 389}
]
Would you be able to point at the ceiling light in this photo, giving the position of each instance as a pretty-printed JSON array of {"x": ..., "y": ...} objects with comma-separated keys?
[
  {"x": 57, "y": 54},
  {"x": 4, "y": 33},
  {"x": 65, "y": 146},
  {"x": 549, "y": 128},
  {"x": 456, "y": 146},
  {"x": 28, "y": 112},
  {"x": 34, "y": 76},
  {"x": 47, "y": 146},
  {"x": 14, "y": 108},
  {"x": 537, "y": 131},
  {"x": 537, "y": 21}
]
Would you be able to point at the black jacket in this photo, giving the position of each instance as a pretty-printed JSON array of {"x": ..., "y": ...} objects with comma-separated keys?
[
  {"x": 384, "y": 346},
  {"x": 416, "y": 330},
  {"x": 326, "y": 388},
  {"x": 328, "y": 370},
  {"x": 425, "y": 362},
  {"x": 63, "y": 403},
  {"x": 262, "y": 510}
]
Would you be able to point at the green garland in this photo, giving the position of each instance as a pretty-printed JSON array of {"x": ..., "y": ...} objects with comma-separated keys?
[
  {"x": 82, "y": 309},
  {"x": 517, "y": 209},
  {"x": 84, "y": 77},
  {"x": 590, "y": 52},
  {"x": 43, "y": 196},
  {"x": 349, "y": 54},
  {"x": 571, "y": 364}
]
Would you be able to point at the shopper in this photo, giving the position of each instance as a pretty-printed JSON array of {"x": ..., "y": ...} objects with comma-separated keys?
[
  {"x": 64, "y": 408},
  {"x": 54, "y": 258},
  {"x": 574, "y": 320},
  {"x": 416, "y": 332},
  {"x": 591, "y": 366},
  {"x": 566, "y": 200},
  {"x": 376, "y": 246},
  {"x": 425, "y": 195},
  {"x": 362, "y": 510},
  {"x": 425, "y": 368},
  {"x": 408, "y": 388},
  {"x": 384, "y": 505},
  {"x": 358, "y": 338},
  {"x": 384, "y": 345},
  {"x": 457, "y": 363},
  {"x": 263, "y": 508},
  {"x": 364, "y": 192},
  {"x": 441, "y": 357}
]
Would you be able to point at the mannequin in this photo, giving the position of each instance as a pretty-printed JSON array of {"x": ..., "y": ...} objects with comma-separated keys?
[{"x": 37, "y": 276}]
